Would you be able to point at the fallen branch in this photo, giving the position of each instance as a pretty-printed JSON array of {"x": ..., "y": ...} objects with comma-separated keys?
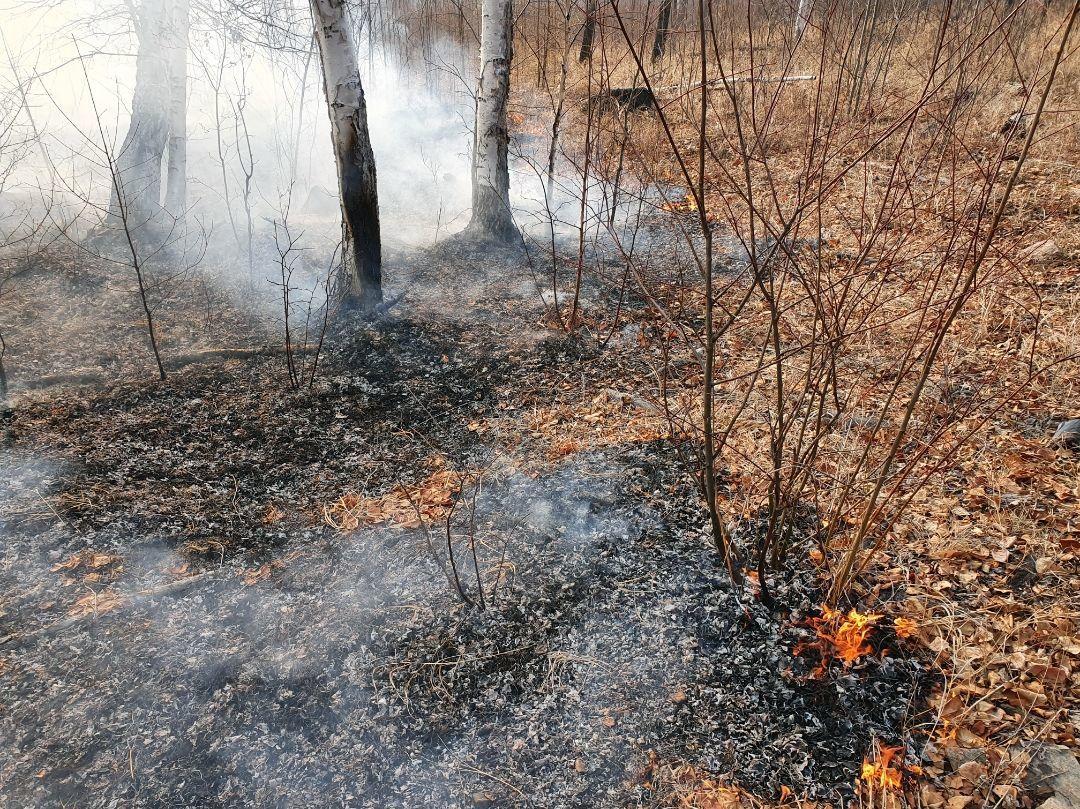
[
  {"x": 386, "y": 306},
  {"x": 231, "y": 354},
  {"x": 672, "y": 88},
  {"x": 638, "y": 99},
  {"x": 95, "y": 377}
]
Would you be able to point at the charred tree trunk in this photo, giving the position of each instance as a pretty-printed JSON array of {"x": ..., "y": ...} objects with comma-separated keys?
[
  {"x": 176, "y": 174},
  {"x": 560, "y": 103},
  {"x": 3, "y": 377},
  {"x": 663, "y": 24},
  {"x": 362, "y": 287},
  {"x": 588, "y": 33},
  {"x": 138, "y": 164},
  {"x": 491, "y": 218}
]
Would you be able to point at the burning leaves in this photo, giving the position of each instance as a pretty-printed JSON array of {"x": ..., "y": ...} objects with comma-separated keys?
[
  {"x": 840, "y": 636},
  {"x": 849, "y": 637},
  {"x": 880, "y": 772},
  {"x": 884, "y": 769},
  {"x": 685, "y": 204},
  {"x": 905, "y": 627}
]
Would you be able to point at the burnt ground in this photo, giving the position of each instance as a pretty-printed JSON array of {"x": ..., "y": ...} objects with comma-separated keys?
[{"x": 312, "y": 666}]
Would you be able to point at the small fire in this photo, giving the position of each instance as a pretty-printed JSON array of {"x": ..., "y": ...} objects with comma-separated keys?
[
  {"x": 846, "y": 635},
  {"x": 886, "y": 771},
  {"x": 685, "y": 205}
]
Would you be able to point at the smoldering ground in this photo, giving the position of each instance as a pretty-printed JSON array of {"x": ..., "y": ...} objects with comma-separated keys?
[
  {"x": 351, "y": 676},
  {"x": 314, "y": 667}
]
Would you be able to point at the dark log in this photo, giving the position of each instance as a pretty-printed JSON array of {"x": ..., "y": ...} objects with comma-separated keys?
[{"x": 628, "y": 99}]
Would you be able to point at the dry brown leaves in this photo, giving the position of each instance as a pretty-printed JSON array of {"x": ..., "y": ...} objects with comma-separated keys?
[
  {"x": 609, "y": 419},
  {"x": 272, "y": 515},
  {"x": 97, "y": 603},
  {"x": 89, "y": 567},
  {"x": 688, "y": 787},
  {"x": 402, "y": 506},
  {"x": 265, "y": 571}
]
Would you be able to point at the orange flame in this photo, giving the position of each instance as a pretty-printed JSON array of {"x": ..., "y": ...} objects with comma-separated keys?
[
  {"x": 886, "y": 771},
  {"x": 842, "y": 636},
  {"x": 848, "y": 634},
  {"x": 685, "y": 205}
]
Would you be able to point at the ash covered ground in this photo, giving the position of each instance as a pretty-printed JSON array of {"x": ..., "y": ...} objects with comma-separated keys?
[{"x": 312, "y": 666}]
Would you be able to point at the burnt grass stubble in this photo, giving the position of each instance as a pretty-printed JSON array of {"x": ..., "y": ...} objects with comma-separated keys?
[{"x": 351, "y": 675}]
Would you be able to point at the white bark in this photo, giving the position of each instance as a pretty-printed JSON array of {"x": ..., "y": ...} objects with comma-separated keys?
[
  {"x": 802, "y": 16},
  {"x": 176, "y": 174},
  {"x": 491, "y": 218},
  {"x": 352, "y": 152}
]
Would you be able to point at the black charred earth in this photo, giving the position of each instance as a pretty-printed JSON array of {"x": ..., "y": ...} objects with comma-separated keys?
[{"x": 312, "y": 666}]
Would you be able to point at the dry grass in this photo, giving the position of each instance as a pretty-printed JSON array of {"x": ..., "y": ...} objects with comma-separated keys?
[{"x": 984, "y": 549}]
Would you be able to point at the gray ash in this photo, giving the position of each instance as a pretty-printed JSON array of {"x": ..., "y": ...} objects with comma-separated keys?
[{"x": 352, "y": 676}]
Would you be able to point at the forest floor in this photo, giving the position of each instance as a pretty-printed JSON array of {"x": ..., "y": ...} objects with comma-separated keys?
[{"x": 220, "y": 591}]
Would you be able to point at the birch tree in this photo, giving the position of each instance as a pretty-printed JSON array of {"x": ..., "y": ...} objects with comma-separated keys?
[
  {"x": 802, "y": 16},
  {"x": 491, "y": 218},
  {"x": 353, "y": 154}
]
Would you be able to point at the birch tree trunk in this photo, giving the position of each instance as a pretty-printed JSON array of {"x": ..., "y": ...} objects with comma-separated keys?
[
  {"x": 802, "y": 16},
  {"x": 176, "y": 173},
  {"x": 491, "y": 218},
  {"x": 352, "y": 151},
  {"x": 138, "y": 163}
]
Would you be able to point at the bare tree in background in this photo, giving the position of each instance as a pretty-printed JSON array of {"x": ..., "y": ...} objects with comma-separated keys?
[
  {"x": 802, "y": 16},
  {"x": 362, "y": 286},
  {"x": 138, "y": 163},
  {"x": 588, "y": 33},
  {"x": 491, "y": 217},
  {"x": 14, "y": 145},
  {"x": 663, "y": 25},
  {"x": 120, "y": 211},
  {"x": 179, "y": 24}
]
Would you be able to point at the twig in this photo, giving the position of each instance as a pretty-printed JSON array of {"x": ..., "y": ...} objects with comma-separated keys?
[{"x": 493, "y": 777}]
